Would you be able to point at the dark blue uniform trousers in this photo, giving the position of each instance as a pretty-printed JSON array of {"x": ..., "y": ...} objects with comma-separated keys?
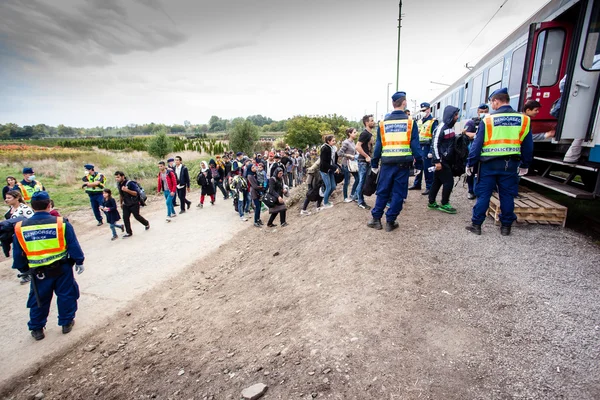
[
  {"x": 501, "y": 173},
  {"x": 426, "y": 149},
  {"x": 96, "y": 200},
  {"x": 392, "y": 187},
  {"x": 67, "y": 293}
]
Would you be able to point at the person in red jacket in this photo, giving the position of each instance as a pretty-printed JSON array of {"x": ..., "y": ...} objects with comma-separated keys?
[{"x": 167, "y": 183}]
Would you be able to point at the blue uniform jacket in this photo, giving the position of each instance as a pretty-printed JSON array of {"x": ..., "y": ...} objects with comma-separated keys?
[
  {"x": 526, "y": 146},
  {"x": 73, "y": 248},
  {"x": 415, "y": 146},
  {"x": 433, "y": 127}
]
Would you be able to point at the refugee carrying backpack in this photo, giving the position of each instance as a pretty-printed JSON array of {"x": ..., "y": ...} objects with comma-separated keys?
[
  {"x": 460, "y": 153},
  {"x": 141, "y": 193}
]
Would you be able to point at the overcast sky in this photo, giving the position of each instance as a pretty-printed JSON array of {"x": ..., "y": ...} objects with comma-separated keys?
[{"x": 114, "y": 62}]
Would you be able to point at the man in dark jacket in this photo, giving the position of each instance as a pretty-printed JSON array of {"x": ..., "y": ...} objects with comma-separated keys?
[
  {"x": 183, "y": 183},
  {"x": 397, "y": 147},
  {"x": 442, "y": 147}
]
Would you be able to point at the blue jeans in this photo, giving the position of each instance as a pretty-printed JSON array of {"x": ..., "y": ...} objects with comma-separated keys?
[
  {"x": 329, "y": 181},
  {"x": 392, "y": 188},
  {"x": 67, "y": 293},
  {"x": 169, "y": 202},
  {"x": 426, "y": 149},
  {"x": 243, "y": 202},
  {"x": 256, "y": 210},
  {"x": 96, "y": 200},
  {"x": 347, "y": 174},
  {"x": 113, "y": 228},
  {"x": 503, "y": 174},
  {"x": 363, "y": 170}
]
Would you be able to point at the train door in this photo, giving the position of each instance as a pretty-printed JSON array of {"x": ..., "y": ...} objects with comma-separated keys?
[
  {"x": 581, "y": 96},
  {"x": 549, "y": 49}
]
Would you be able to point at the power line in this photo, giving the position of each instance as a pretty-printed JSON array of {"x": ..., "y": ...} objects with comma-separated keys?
[{"x": 480, "y": 32}]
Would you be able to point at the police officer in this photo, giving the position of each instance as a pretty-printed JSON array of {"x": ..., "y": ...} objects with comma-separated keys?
[
  {"x": 470, "y": 130},
  {"x": 93, "y": 183},
  {"x": 504, "y": 148},
  {"x": 28, "y": 186},
  {"x": 427, "y": 126},
  {"x": 46, "y": 247},
  {"x": 397, "y": 146}
]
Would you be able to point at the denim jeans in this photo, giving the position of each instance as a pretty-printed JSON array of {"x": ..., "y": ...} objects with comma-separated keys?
[
  {"x": 363, "y": 170},
  {"x": 347, "y": 174},
  {"x": 242, "y": 199},
  {"x": 256, "y": 210},
  {"x": 169, "y": 201},
  {"x": 329, "y": 181},
  {"x": 113, "y": 228}
]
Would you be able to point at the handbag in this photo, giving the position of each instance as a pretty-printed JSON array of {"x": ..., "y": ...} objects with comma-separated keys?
[
  {"x": 352, "y": 165},
  {"x": 269, "y": 200}
]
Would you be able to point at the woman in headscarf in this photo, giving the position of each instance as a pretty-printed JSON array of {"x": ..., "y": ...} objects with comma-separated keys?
[
  {"x": 218, "y": 174},
  {"x": 256, "y": 190},
  {"x": 205, "y": 181},
  {"x": 276, "y": 188}
]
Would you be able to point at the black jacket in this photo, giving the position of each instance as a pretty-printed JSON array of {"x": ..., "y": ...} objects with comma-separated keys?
[
  {"x": 442, "y": 143},
  {"x": 184, "y": 176},
  {"x": 326, "y": 165}
]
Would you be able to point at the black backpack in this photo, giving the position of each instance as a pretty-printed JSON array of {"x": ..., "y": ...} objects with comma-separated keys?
[
  {"x": 460, "y": 153},
  {"x": 141, "y": 193}
]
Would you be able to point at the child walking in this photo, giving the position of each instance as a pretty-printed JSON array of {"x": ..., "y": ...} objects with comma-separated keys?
[
  {"x": 109, "y": 206},
  {"x": 208, "y": 189}
]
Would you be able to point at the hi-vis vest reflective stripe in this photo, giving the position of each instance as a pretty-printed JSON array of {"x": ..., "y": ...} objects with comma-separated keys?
[
  {"x": 504, "y": 134},
  {"x": 28, "y": 191},
  {"x": 395, "y": 137},
  {"x": 42, "y": 244},
  {"x": 425, "y": 131},
  {"x": 99, "y": 188}
]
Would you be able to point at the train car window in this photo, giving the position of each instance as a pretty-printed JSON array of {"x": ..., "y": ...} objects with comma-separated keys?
[
  {"x": 494, "y": 81},
  {"x": 476, "y": 92},
  {"x": 516, "y": 71},
  {"x": 548, "y": 56},
  {"x": 591, "y": 55}
]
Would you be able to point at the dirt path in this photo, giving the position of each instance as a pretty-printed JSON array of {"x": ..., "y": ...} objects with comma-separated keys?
[
  {"x": 116, "y": 273},
  {"x": 327, "y": 308}
]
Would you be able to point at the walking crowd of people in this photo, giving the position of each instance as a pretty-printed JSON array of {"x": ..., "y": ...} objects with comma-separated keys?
[{"x": 492, "y": 150}]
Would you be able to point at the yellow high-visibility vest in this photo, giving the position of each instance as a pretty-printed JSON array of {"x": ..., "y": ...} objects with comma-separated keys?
[
  {"x": 395, "y": 137},
  {"x": 42, "y": 244},
  {"x": 425, "y": 131},
  {"x": 504, "y": 134},
  {"x": 28, "y": 191}
]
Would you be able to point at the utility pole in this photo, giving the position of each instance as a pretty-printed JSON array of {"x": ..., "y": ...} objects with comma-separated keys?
[
  {"x": 398, "y": 60},
  {"x": 387, "y": 99},
  {"x": 376, "y": 105}
]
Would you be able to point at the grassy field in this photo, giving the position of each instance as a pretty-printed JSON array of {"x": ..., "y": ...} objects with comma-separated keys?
[{"x": 61, "y": 170}]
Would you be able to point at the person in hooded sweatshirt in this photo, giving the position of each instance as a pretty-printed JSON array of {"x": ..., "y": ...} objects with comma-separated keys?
[{"x": 442, "y": 147}]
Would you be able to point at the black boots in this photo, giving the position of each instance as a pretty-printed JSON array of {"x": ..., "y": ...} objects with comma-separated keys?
[
  {"x": 476, "y": 229},
  {"x": 390, "y": 226},
  {"x": 505, "y": 230},
  {"x": 375, "y": 224}
]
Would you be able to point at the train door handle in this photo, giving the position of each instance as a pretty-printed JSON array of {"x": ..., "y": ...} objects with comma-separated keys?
[{"x": 579, "y": 84}]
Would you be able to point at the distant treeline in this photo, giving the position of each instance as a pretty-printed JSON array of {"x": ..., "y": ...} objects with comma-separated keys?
[{"x": 12, "y": 131}]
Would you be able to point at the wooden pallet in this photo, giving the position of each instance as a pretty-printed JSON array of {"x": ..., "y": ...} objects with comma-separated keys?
[{"x": 532, "y": 208}]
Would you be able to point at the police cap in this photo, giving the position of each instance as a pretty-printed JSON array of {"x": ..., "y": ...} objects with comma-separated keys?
[
  {"x": 37, "y": 196},
  {"x": 483, "y": 107},
  {"x": 170, "y": 160},
  {"x": 239, "y": 153},
  {"x": 398, "y": 95},
  {"x": 499, "y": 91},
  {"x": 28, "y": 170},
  {"x": 89, "y": 167},
  {"x": 425, "y": 106}
]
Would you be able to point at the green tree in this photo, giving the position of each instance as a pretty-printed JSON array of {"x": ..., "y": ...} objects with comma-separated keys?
[
  {"x": 243, "y": 136},
  {"x": 302, "y": 131},
  {"x": 160, "y": 145}
]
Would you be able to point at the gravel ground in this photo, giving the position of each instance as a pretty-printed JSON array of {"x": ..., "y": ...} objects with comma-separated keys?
[{"x": 327, "y": 308}]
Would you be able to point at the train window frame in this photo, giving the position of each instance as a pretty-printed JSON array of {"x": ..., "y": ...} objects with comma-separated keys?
[
  {"x": 494, "y": 85},
  {"x": 540, "y": 54},
  {"x": 518, "y": 68},
  {"x": 475, "y": 102},
  {"x": 594, "y": 20}
]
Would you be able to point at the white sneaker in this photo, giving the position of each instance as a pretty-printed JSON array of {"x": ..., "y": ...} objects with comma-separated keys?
[
  {"x": 348, "y": 200},
  {"x": 243, "y": 219},
  {"x": 326, "y": 206},
  {"x": 304, "y": 212},
  {"x": 168, "y": 219}
]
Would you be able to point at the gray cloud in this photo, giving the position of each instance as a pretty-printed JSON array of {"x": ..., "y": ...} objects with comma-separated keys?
[
  {"x": 233, "y": 45},
  {"x": 87, "y": 34}
]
